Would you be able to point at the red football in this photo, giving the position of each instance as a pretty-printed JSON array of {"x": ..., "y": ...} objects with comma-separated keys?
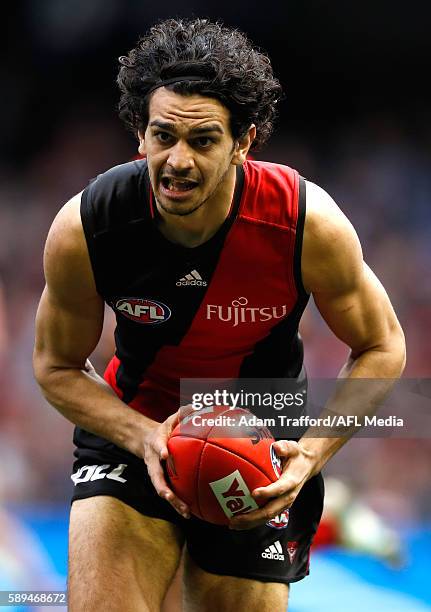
[{"x": 217, "y": 456}]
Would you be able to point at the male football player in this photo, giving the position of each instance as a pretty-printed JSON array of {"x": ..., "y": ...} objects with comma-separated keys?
[{"x": 207, "y": 260}]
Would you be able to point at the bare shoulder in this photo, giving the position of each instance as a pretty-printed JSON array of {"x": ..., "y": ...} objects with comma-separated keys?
[
  {"x": 66, "y": 229},
  {"x": 331, "y": 253},
  {"x": 67, "y": 264}
]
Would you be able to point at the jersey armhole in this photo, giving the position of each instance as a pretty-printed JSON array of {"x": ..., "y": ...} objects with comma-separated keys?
[{"x": 302, "y": 190}]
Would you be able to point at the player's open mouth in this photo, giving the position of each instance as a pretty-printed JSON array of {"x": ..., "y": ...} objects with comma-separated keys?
[{"x": 176, "y": 185}]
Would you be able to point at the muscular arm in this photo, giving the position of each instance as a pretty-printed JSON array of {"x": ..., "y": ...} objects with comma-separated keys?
[
  {"x": 68, "y": 326},
  {"x": 348, "y": 295},
  {"x": 357, "y": 309},
  {"x": 355, "y": 306}
]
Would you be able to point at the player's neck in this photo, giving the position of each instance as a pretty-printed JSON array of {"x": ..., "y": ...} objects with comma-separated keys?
[{"x": 198, "y": 227}]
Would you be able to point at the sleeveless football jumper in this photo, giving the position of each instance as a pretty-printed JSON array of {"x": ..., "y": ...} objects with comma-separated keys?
[{"x": 229, "y": 309}]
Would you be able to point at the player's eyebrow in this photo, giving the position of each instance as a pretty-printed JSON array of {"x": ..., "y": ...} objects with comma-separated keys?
[{"x": 204, "y": 129}]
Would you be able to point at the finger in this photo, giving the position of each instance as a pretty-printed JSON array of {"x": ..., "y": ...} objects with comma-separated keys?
[
  {"x": 174, "y": 419},
  {"x": 185, "y": 411},
  {"x": 169, "y": 425},
  {"x": 163, "y": 452},
  {"x": 159, "y": 446},
  {"x": 286, "y": 448},
  {"x": 261, "y": 516},
  {"x": 156, "y": 474},
  {"x": 285, "y": 485},
  {"x": 177, "y": 503}
]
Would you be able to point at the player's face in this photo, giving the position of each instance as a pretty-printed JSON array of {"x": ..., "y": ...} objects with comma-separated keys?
[{"x": 189, "y": 149}]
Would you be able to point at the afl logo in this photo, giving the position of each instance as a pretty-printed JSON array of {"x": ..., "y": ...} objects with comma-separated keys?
[
  {"x": 276, "y": 461},
  {"x": 144, "y": 311}
]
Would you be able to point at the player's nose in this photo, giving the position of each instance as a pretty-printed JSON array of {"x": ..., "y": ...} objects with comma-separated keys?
[{"x": 181, "y": 157}]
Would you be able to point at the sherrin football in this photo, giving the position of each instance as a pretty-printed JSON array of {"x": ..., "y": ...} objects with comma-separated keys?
[{"x": 217, "y": 457}]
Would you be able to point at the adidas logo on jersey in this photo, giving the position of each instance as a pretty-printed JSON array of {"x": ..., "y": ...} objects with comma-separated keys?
[
  {"x": 274, "y": 552},
  {"x": 193, "y": 279}
]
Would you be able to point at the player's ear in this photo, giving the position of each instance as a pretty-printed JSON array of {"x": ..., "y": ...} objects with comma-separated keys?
[
  {"x": 141, "y": 148},
  {"x": 242, "y": 146}
]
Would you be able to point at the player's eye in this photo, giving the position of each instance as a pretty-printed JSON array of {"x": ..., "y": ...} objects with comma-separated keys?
[
  {"x": 203, "y": 142},
  {"x": 163, "y": 137}
]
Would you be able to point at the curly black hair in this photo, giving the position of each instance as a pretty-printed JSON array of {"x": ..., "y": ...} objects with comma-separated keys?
[{"x": 234, "y": 72}]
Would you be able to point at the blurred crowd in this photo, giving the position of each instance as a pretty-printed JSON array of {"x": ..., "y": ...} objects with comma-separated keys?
[
  {"x": 382, "y": 184},
  {"x": 373, "y": 166}
]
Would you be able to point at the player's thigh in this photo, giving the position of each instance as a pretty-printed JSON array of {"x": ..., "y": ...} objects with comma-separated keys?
[
  {"x": 118, "y": 558},
  {"x": 205, "y": 592},
  {"x": 174, "y": 596}
]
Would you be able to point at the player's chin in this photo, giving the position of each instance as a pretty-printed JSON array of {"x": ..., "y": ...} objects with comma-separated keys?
[{"x": 180, "y": 206}]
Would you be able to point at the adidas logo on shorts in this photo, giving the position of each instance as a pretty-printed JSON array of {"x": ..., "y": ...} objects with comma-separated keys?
[
  {"x": 274, "y": 552},
  {"x": 193, "y": 279}
]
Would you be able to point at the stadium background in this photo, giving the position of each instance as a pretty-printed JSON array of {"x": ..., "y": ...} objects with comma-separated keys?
[{"x": 355, "y": 120}]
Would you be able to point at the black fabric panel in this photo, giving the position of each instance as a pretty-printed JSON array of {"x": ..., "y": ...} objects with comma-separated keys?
[
  {"x": 280, "y": 354},
  {"x": 137, "y": 347},
  {"x": 88, "y": 225},
  {"x": 117, "y": 196},
  {"x": 302, "y": 205},
  {"x": 112, "y": 213},
  {"x": 132, "y": 259}
]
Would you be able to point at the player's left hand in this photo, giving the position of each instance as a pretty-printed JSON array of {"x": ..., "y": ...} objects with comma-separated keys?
[{"x": 298, "y": 466}]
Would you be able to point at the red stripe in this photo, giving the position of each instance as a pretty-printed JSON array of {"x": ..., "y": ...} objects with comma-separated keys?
[
  {"x": 151, "y": 203},
  {"x": 110, "y": 375},
  {"x": 256, "y": 264}
]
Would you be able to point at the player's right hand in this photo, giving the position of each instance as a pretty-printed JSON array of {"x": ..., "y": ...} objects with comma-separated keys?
[{"x": 156, "y": 451}]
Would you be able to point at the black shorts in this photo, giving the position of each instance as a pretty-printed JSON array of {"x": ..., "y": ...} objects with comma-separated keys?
[{"x": 277, "y": 553}]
